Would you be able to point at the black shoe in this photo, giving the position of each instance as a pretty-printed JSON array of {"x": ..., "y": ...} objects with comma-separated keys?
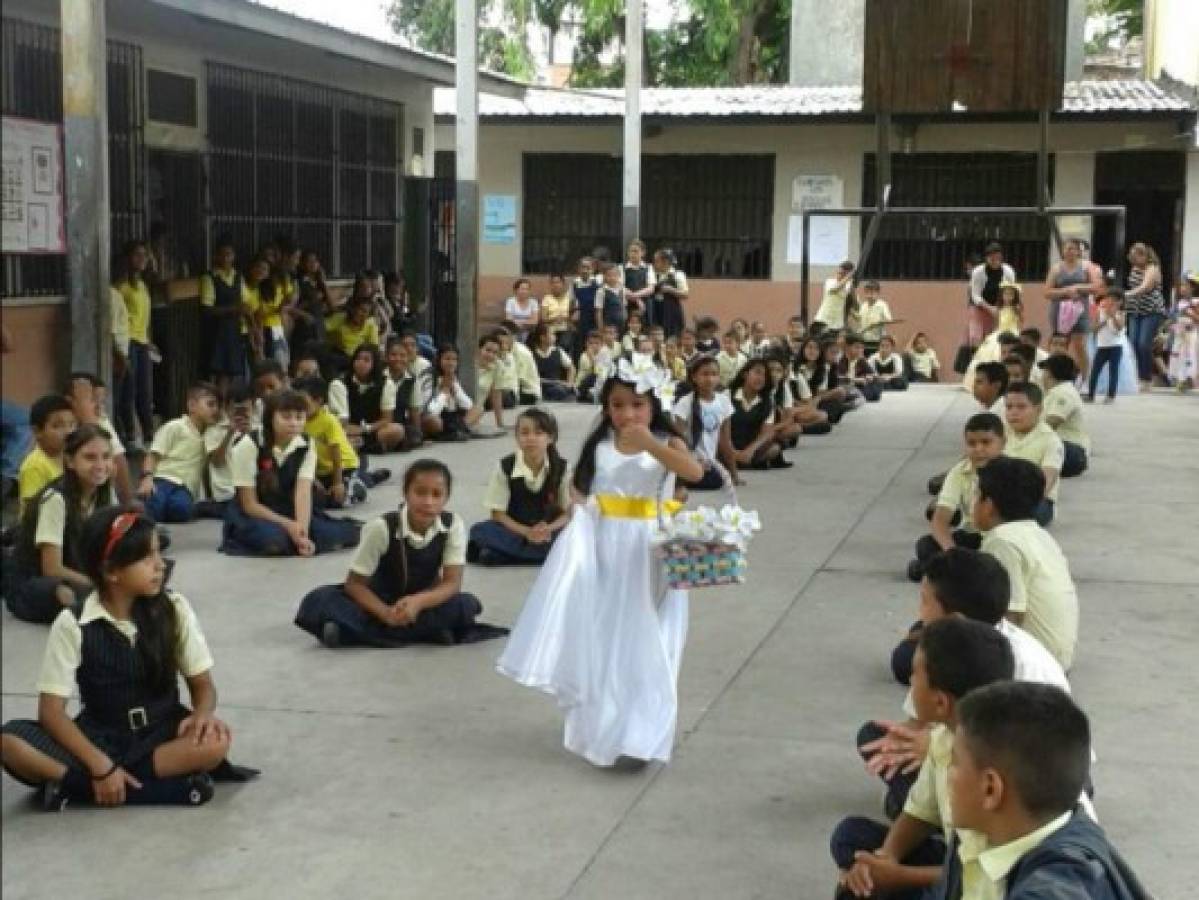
[
  {"x": 443, "y": 636},
  {"x": 164, "y": 538},
  {"x": 780, "y": 462},
  {"x": 935, "y": 483},
  {"x": 629, "y": 764},
  {"x": 200, "y": 789},
  {"x": 51, "y": 797},
  {"x": 915, "y": 571},
  {"x": 331, "y": 635},
  {"x": 378, "y": 476},
  {"x": 472, "y": 552}
]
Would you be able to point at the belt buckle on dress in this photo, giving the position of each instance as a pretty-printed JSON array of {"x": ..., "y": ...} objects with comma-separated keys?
[{"x": 138, "y": 718}]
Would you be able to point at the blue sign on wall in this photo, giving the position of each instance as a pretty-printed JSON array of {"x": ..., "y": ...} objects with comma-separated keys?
[{"x": 499, "y": 219}]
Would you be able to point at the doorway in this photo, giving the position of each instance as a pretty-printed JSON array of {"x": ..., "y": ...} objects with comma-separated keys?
[{"x": 1151, "y": 185}]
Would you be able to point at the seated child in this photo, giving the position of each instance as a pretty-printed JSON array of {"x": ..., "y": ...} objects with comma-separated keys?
[
  {"x": 528, "y": 378},
  {"x": 757, "y": 439},
  {"x": 219, "y": 439},
  {"x": 274, "y": 471},
  {"x": 988, "y": 388},
  {"x": 173, "y": 470},
  {"x": 594, "y": 365},
  {"x": 687, "y": 345},
  {"x": 337, "y": 463},
  {"x": 1028, "y": 437},
  {"x": 46, "y": 576},
  {"x": 611, "y": 341},
  {"x": 448, "y": 413},
  {"x": 657, "y": 335},
  {"x": 404, "y": 387},
  {"x": 350, "y": 330},
  {"x": 796, "y": 332},
  {"x": 1031, "y": 337},
  {"x": 405, "y": 582},
  {"x": 856, "y": 371},
  {"x": 87, "y": 393},
  {"x": 964, "y": 583},
  {"x": 759, "y": 339},
  {"x": 704, "y": 418},
  {"x": 368, "y": 416},
  {"x": 923, "y": 364},
  {"x": 503, "y": 375},
  {"x": 705, "y": 335},
  {"x": 984, "y": 437},
  {"x": 1063, "y": 412},
  {"x": 266, "y": 378},
  {"x": 555, "y": 371},
  {"x": 1044, "y": 602},
  {"x": 125, "y": 649},
  {"x": 52, "y": 419},
  {"x": 1021, "y": 755},
  {"x": 672, "y": 359},
  {"x": 822, "y": 380},
  {"x": 528, "y": 498},
  {"x": 955, "y": 656},
  {"x": 730, "y": 359},
  {"x": 889, "y": 365},
  {"x": 1059, "y": 343},
  {"x": 793, "y": 398},
  {"x": 632, "y": 331}
]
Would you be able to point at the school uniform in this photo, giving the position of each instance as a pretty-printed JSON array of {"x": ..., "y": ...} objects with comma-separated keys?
[
  {"x": 528, "y": 497},
  {"x": 860, "y": 375},
  {"x": 552, "y": 368},
  {"x": 637, "y": 278},
  {"x": 583, "y": 299},
  {"x": 729, "y": 364},
  {"x": 37, "y": 470},
  {"x": 797, "y": 390},
  {"x": 890, "y": 371},
  {"x": 1042, "y": 446},
  {"x": 528, "y": 379},
  {"x": 667, "y": 310},
  {"x": 506, "y": 380},
  {"x": 223, "y": 346},
  {"x": 30, "y": 595},
  {"x": 610, "y": 303},
  {"x": 555, "y": 313},
  {"x": 326, "y": 433},
  {"x": 244, "y": 535},
  {"x": 821, "y": 378},
  {"x": 137, "y": 389},
  {"x": 366, "y": 404},
  {"x": 591, "y": 375},
  {"x": 123, "y": 713},
  {"x": 179, "y": 476},
  {"x": 924, "y": 366},
  {"x": 746, "y": 423},
  {"x": 451, "y": 410},
  {"x": 1064, "y": 402},
  {"x": 398, "y": 562},
  {"x": 218, "y": 477},
  {"x": 872, "y": 321},
  {"x": 957, "y": 495},
  {"x": 1042, "y": 588}
]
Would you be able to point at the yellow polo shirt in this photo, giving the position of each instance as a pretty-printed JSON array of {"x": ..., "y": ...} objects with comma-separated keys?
[
  {"x": 348, "y": 337},
  {"x": 37, "y": 470},
  {"x": 182, "y": 454},
  {"x": 1063, "y": 402},
  {"x": 498, "y": 493},
  {"x": 64, "y": 647},
  {"x": 1042, "y": 588},
  {"x": 326, "y": 433},
  {"x": 928, "y": 800},
  {"x": 958, "y": 490},
  {"x": 1042, "y": 446},
  {"x": 137, "y": 303},
  {"x": 555, "y": 312},
  {"x": 729, "y": 365},
  {"x": 985, "y": 869}
]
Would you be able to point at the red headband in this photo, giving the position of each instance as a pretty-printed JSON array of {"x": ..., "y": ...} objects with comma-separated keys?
[{"x": 119, "y": 528}]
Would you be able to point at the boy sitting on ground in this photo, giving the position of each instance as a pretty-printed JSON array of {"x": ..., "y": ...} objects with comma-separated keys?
[
  {"x": 52, "y": 420},
  {"x": 1032, "y": 439},
  {"x": 1044, "y": 601},
  {"x": 1063, "y": 412},
  {"x": 955, "y": 656},
  {"x": 173, "y": 471},
  {"x": 1021, "y": 753},
  {"x": 922, "y": 360}
]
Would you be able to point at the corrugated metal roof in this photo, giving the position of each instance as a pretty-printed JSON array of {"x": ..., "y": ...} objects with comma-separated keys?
[{"x": 1091, "y": 96}]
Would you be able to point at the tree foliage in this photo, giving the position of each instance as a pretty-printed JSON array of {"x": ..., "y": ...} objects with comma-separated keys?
[
  {"x": 718, "y": 42},
  {"x": 1121, "y": 20}
]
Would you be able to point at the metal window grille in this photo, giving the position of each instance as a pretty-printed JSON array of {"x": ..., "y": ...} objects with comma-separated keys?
[
  {"x": 296, "y": 158},
  {"x": 715, "y": 212},
  {"x": 32, "y": 89},
  {"x": 171, "y": 98},
  {"x": 934, "y": 247}
]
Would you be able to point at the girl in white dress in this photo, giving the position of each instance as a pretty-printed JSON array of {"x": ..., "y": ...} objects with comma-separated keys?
[{"x": 599, "y": 630}]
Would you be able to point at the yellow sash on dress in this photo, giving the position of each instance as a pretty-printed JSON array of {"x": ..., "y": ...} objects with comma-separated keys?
[{"x": 618, "y": 506}]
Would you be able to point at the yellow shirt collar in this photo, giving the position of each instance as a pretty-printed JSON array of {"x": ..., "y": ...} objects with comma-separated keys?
[
  {"x": 997, "y": 862},
  {"x": 407, "y": 533},
  {"x": 740, "y": 398},
  {"x": 534, "y": 480}
]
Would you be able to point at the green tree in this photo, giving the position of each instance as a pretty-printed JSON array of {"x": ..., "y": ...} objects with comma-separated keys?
[{"x": 1121, "y": 20}]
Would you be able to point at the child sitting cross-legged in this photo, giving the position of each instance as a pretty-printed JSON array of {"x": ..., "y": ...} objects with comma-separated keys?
[
  {"x": 1021, "y": 754},
  {"x": 955, "y": 657},
  {"x": 922, "y": 362},
  {"x": 554, "y": 368},
  {"x": 730, "y": 359},
  {"x": 405, "y": 582},
  {"x": 368, "y": 406},
  {"x": 793, "y": 397},
  {"x": 1063, "y": 412},
  {"x": 219, "y": 439},
  {"x": 52, "y": 419},
  {"x": 704, "y": 417},
  {"x": 888, "y": 365},
  {"x": 173, "y": 470},
  {"x": 1044, "y": 601},
  {"x": 856, "y": 372},
  {"x": 1030, "y": 438},
  {"x": 528, "y": 497},
  {"x": 336, "y": 459},
  {"x": 951, "y": 522},
  {"x": 757, "y": 439},
  {"x": 133, "y": 742}
]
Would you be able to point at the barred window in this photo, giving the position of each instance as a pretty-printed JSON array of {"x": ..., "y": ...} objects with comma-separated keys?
[
  {"x": 934, "y": 247},
  {"x": 715, "y": 212},
  {"x": 296, "y": 158}
]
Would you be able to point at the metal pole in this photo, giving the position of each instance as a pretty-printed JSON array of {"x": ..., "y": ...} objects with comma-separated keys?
[
  {"x": 85, "y": 151},
  {"x": 631, "y": 208},
  {"x": 466, "y": 189},
  {"x": 805, "y": 268}
]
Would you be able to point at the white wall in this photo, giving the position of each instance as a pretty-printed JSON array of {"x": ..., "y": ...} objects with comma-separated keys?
[
  {"x": 1190, "y": 233},
  {"x": 1171, "y": 28}
]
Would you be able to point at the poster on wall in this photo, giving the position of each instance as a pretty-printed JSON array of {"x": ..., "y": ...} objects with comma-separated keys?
[
  {"x": 829, "y": 242},
  {"x": 32, "y": 200},
  {"x": 499, "y": 219}
]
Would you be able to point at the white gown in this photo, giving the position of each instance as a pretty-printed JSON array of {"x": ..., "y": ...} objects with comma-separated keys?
[{"x": 599, "y": 631}]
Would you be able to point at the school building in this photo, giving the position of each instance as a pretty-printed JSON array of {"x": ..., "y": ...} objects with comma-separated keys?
[
  {"x": 225, "y": 116},
  {"x": 726, "y": 169}
]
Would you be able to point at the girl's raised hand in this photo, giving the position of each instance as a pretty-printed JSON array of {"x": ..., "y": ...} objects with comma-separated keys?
[
  {"x": 636, "y": 438},
  {"x": 203, "y": 727},
  {"x": 110, "y": 790}
]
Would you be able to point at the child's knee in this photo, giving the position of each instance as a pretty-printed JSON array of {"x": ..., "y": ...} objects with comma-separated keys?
[{"x": 213, "y": 751}]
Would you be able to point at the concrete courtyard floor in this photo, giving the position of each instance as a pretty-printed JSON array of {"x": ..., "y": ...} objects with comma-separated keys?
[{"x": 420, "y": 773}]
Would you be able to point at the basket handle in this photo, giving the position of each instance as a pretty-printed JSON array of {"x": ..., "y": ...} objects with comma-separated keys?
[{"x": 728, "y": 489}]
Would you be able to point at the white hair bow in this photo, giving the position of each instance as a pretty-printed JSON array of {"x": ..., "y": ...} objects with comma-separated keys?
[{"x": 644, "y": 376}]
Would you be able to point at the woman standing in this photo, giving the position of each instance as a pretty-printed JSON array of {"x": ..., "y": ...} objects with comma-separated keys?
[
  {"x": 1145, "y": 306},
  {"x": 984, "y": 292},
  {"x": 137, "y": 390},
  {"x": 1070, "y": 286}
]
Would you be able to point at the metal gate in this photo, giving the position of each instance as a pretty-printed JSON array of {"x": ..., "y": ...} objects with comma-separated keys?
[{"x": 430, "y": 257}]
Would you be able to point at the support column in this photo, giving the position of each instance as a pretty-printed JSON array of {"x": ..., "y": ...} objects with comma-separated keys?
[
  {"x": 466, "y": 189},
  {"x": 85, "y": 155},
  {"x": 631, "y": 205},
  {"x": 826, "y": 43}
]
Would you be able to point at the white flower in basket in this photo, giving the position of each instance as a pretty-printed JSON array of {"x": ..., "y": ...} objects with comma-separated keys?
[{"x": 738, "y": 525}]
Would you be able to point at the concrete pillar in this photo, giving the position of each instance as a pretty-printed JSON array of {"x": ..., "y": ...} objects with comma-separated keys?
[
  {"x": 466, "y": 195},
  {"x": 631, "y": 205},
  {"x": 826, "y": 42},
  {"x": 85, "y": 154},
  {"x": 1190, "y": 222},
  {"x": 1076, "y": 39}
]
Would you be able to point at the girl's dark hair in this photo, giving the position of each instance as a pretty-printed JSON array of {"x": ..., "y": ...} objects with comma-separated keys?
[
  {"x": 660, "y": 424},
  {"x": 157, "y": 626},
  {"x": 776, "y": 391},
  {"x": 534, "y": 338},
  {"x": 376, "y": 355},
  {"x": 695, "y": 426},
  {"x": 286, "y": 400},
  {"x": 545, "y": 422},
  {"x": 739, "y": 379},
  {"x": 433, "y": 373},
  {"x": 428, "y": 467},
  {"x": 122, "y": 270},
  {"x": 69, "y": 485}
]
